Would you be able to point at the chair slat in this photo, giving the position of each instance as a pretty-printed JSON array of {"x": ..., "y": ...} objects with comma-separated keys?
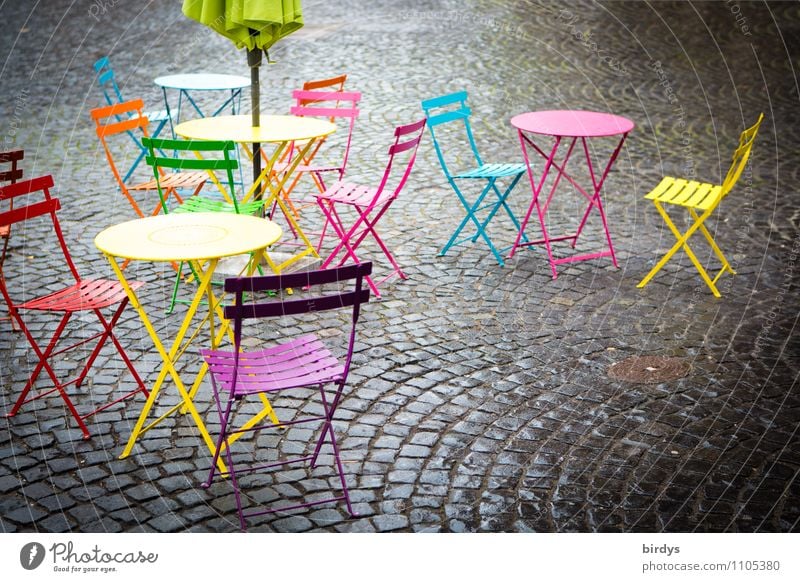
[
  {"x": 449, "y": 116},
  {"x": 305, "y": 279},
  {"x": 192, "y": 164},
  {"x": 117, "y": 109},
  {"x": 122, "y": 126},
  {"x": 30, "y": 211},
  {"x": 12, "y": 156},
  {"x": 443, "y": 100},
  {"x": 26, "y": 187},
  {"x": 188, "y": 144}
]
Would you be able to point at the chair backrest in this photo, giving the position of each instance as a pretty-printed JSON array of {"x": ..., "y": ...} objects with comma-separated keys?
[
  {"x": 13, "y": 173},
  {"x": 112, "y": 120},
  {"x": 107, "y": 82},
  {"x": 331, "y": 84},
  {"x": 10, "y": 176},
  {"x": 284, "y": 305},
  {"x": 32, "y": 199},
  {"x": 451, "y": 108},
  {"x": 741, "y": 155},
  {"x": 333, "y": 105},
  {"x": 164, "y": 153},
  {"x": 406, "y": 141}
]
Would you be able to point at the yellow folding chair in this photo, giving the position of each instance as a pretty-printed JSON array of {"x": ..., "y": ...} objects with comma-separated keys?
[{"x": 699, "y": 197}]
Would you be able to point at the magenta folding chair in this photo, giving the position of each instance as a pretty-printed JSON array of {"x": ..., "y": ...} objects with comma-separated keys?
[
  {"x": 370, "y": 204},
  {"x": 32, "y": 200},
  {"x": 299, "y": 363}
]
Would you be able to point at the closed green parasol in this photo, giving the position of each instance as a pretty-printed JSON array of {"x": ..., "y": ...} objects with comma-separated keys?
[{"x": 252, "y": 24}]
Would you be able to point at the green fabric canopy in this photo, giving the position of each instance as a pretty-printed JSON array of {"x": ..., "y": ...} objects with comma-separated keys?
[
  {"x": 248, "y": 23},
  {"x": 252, "y": 24}
]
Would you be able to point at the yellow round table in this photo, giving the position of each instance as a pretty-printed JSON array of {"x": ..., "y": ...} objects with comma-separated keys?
[
  {"x": 195, "y": 236},
  {"x": 239, "y": 128},
  {"x": 283, "y": 131},
  {"x": 201, "y": 239}
]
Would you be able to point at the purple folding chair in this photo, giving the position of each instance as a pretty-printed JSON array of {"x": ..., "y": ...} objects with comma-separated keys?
[{"x": 300, "y": 362}]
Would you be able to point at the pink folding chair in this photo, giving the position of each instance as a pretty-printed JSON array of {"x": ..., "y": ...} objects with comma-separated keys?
[
  {"x": 302, "y": 362},
  {"x": 369, "y": 204},
  {"x": 333, "y": 106}
]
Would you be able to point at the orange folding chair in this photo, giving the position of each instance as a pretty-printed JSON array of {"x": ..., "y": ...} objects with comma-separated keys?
[
  {"x": 697, "y": 198},
  {"x": 32, "y": 200},
  {"x": 128, "y": 117},
  {"x": 9, "y": 176}
]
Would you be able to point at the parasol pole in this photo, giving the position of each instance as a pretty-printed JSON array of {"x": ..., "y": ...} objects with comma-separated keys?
[{"x": 254, "y": 62}]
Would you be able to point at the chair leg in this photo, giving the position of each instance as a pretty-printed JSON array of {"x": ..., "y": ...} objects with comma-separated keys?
[
  {"x": 726, "y": 266},
  {"x": 682, "y": 242},
  {"x": 471, "y": 216},
  {"x": 109, "y": 326},
  {"x": 328, "y": 430},
  {"x": 44, "y": 365},
  {"x": 174, "y": 297},
  {"x": 223, "y": 438}
]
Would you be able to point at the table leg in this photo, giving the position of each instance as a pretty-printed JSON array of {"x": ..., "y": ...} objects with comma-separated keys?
[
  {"x": 217, "y": 335},
  {"x": 595, "y": 200},
  {"x": 229, "y": 101},
  {"x": 535, "y": 200},
  {"x": 169, "y": 359},
  {"x": 169, "y": 113}
]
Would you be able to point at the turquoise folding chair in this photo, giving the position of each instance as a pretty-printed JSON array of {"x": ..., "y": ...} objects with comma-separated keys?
[
  {"x": 453, "y": 108},
  {"x": 113, "y": 96}
]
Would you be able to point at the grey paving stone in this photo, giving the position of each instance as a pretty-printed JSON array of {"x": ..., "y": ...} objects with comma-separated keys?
[{"x": 469, "y": 380}]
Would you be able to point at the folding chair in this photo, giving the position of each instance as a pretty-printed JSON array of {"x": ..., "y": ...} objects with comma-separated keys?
[
  {"x": 370, "y": 204},
  {"x": 699, "y": 197},
  {"x": 113, "y": 95},
  {"x": 9, "y": 176},
  {"x": 108, "y": 124},
  {"x": 82, "y": 296},
  {"x": 453, "y": 108},
  {"x": 224, "y": 161},
  {"x": 332, "y": 105},
  {"x": 303, "y": 362}
]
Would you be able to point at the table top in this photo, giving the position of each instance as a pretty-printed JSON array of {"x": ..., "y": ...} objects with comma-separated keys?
[
  {"x": 202, "y": 81},
  {"x": 569, "y": 123},
  {"x": 185, "y": 237},
  {"x": 239, "y": 128}
]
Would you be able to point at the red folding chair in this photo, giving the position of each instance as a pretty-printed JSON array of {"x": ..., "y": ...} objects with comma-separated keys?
[
  {"x": 9, "y": 176},
  {"x": 32, "y": 199},
  {"x": 303, "y": 362},
  {"x": 370, "y": 204}
]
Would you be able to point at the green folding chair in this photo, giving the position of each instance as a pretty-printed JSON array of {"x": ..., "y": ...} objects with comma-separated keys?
[{"x": 210, "y": 156}]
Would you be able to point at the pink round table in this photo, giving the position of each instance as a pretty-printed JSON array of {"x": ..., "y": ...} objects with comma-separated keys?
[{"x": 568, "y": 127}]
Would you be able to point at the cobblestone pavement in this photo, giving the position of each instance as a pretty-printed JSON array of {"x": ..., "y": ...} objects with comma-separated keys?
[{"x": 480, "y": 399}]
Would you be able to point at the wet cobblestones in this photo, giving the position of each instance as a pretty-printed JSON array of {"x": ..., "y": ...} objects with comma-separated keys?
[{"x": 479, "y": 398}]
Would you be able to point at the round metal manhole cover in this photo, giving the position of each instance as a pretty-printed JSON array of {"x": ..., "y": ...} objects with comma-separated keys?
[{"x": 649, "y": 369}]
